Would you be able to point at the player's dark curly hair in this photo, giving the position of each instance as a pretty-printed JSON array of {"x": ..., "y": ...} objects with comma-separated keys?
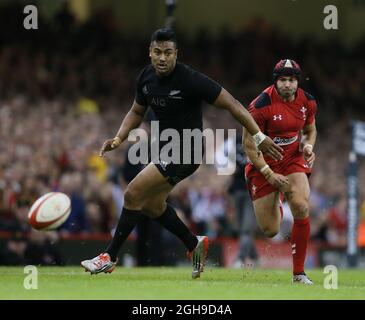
[{"x": 164, "y": 34}]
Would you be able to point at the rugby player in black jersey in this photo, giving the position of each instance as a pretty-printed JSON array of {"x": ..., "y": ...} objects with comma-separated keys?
[{"x": 175, "y": 92}]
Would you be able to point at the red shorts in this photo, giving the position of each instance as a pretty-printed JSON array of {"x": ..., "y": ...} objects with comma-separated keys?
[{"x": 258, "y": 185}]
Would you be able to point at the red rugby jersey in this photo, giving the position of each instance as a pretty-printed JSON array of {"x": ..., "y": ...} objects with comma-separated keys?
[{"x": 283, "y": 121}]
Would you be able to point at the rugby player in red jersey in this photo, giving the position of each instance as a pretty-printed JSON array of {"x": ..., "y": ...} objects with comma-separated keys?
[{"x": 286, "y": 114}]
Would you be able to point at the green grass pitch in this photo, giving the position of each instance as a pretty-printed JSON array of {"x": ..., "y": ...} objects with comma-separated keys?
[{"x": 176, "y": 284}]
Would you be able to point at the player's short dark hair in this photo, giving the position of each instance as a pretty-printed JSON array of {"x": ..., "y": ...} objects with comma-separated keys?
[{"x": 164, "y": 34}]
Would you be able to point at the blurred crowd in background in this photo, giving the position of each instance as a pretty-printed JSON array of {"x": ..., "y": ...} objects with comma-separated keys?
[{"x": 66, "y": 87}]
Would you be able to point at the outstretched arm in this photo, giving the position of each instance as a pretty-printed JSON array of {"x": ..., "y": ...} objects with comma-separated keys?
[
  {"x": 226, "y": 101},
  {"x": 131, "y": 121}
]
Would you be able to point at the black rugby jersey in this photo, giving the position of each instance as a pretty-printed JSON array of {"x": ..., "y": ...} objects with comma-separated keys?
[{"x": 176, "y": 99}]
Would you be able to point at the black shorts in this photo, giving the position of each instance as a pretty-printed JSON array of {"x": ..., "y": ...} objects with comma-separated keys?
[{"x": 177, "y": 172}]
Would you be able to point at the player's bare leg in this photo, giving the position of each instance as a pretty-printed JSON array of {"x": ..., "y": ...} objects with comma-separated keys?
[
  {"x": 145, "y": 186},
  {"x": 298, "y": 199},
  {"x": 155, "y": 204},
  {"x": 267, "y": 211}
]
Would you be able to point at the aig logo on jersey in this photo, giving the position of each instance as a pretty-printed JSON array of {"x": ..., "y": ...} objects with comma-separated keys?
[
  {"x": 277, "y": 117},
  {"x": 160, "y": 102}
]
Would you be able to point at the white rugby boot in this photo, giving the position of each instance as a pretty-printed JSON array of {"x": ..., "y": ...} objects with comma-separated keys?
[
  {"x": 302, "y": 278},
  {"x": 101, "y": 263}
]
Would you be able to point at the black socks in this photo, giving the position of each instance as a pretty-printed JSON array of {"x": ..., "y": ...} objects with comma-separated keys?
[
  {"x": 171, "y": 222},
  {"x": 169, "y": 219},
  {"x": 127, "y": 221}
]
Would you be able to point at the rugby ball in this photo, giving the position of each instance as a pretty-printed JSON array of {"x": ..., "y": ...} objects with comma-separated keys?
[{"x": 50, "y": 211}]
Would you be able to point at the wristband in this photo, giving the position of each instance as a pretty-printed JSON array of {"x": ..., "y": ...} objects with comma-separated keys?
[
  {"x": 258, "y": 138},
  {"x": 116, "y": 142},
  {"x": 264, "y": 168},
  {"x": 266, "y": 171},
  {"x": 308, "y": 145}
]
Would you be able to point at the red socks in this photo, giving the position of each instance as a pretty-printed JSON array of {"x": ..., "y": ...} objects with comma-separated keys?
[{"x": 299, "y": 240}]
